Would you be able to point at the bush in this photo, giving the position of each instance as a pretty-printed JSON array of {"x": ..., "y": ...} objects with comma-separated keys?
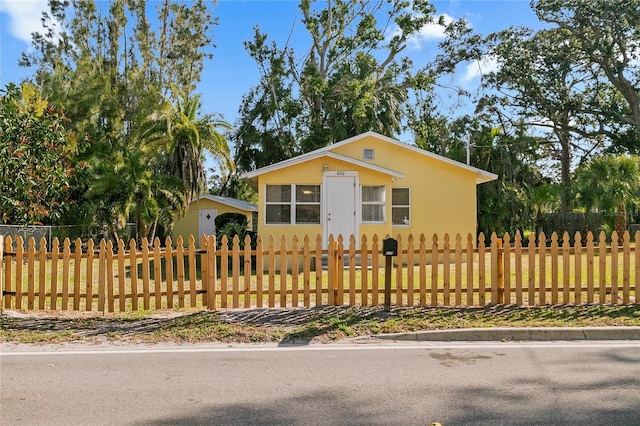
[
  {"x": 222, "y": 220},
  {"x": 232, "y": 224}
]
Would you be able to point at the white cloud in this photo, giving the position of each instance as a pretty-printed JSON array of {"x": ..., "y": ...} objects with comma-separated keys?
[
  {"x": 435, "y": 30},
  {"x": 432, "y": 31},
  {"x": 477, "y": 68},
  {"x": 23, "y": 17}
]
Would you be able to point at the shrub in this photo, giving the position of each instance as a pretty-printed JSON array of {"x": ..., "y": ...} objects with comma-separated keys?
[{"x": 232, "y": 224}]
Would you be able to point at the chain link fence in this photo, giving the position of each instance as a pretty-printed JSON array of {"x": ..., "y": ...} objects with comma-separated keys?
[{"x": 49, "y": 233}]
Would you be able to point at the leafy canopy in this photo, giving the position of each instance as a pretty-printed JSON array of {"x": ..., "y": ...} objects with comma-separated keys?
[{"x": 37, "y": 158}]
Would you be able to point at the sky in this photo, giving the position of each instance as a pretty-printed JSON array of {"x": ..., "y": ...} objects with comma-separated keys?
[{"x": 231, "y": 72}]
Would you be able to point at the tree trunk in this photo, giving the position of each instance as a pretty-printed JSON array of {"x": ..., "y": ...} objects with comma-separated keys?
[
  {"x": 566, "y": 204},
  {"x": 620, "y": 222},
  {"x": 538, "y": 221}
]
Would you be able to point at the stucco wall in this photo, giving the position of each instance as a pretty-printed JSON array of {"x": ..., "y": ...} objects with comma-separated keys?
[
  {"x": 443, "y": 195},
  {"x": 188, "y": 225},
  {"x": 309, "y": 173}
]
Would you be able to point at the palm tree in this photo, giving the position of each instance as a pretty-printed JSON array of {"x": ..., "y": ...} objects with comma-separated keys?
[
  {"x": 543, "y": 195},
  {"x": 610, "y": 182},
  {"x": 183, "y": 138},
  {"x": 126, "y": 188}
]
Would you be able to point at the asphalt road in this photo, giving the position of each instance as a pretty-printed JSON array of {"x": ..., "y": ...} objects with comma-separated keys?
[{"x": 408, "y": 384}]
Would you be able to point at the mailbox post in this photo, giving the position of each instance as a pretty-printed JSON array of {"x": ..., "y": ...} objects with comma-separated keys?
[{"x": 389, "y": 249}]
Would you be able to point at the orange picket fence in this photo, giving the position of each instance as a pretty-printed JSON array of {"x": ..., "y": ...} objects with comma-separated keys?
[{"x": 77, "y": 275}]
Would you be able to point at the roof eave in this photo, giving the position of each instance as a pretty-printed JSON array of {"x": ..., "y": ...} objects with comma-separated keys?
[
  {"x": 484, "y": 177},
  {"x": 249, "y": 207},
  {"x": 252, "y": 175}
]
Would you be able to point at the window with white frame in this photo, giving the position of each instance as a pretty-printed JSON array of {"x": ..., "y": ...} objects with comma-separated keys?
[
  {"x": 292, "y": 204},
  {"x": 401, "y": 206},
  {"x": 307, "y": 203},
  {"x": 373, "y": 200},
  {"x": 278, "y": 204}
]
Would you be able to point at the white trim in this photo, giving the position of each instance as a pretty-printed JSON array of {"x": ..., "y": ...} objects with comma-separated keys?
[
  {"x": 405, "y": 225},
  {"x": 321, "y": 154},
  {"x": 292, "y": 203},
  {"x": 383, "y": 204},
  {"x": 295, "y": 203},
  {"x": 241, "y": 205},
  {"x": 482, "y": 176},
  {"x": 325, "y": 203}
]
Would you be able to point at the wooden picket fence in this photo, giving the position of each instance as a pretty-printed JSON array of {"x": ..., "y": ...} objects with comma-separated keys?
[{"x": 438, "y": 272}]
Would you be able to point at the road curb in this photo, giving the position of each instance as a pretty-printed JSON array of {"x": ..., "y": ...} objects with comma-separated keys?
[{"x": 518, "y": 334}]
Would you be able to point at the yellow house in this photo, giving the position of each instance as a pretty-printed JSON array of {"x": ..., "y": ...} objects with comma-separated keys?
[
  {"x": 202, "y": 212},
  {"x": 368, "y": 184}
]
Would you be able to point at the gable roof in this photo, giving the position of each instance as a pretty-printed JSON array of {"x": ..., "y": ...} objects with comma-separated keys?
[
  {"x": 231, "y": 202},
  {"x": 482, "y": 176},
  {"x": 322, "y": 153}
]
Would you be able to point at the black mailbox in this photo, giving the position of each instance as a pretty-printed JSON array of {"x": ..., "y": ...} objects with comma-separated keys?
[{"x": 390, "y": 247}]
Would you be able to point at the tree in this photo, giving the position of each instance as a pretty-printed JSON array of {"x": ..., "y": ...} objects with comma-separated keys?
[
  {"x": 610, "y": 183},
  {"x": 577, "y": 77},
  {"x": 112, "y": 70},
  {"x": 597, "y": 41},
  {"x": 537, "y": 84},
  {"x": 126, "y": 187},
  {"x": 352, "y": 79},
  {"x": 543, "y": 197},
  {"x": 184, "y": 138},
  {"x": 606, "y": 36},
  {"x": 347, "y": 89},
  {"x": 37, "y": 158},
  {"x": 225, "y": 181},
  {"x": 504, "y": 205},
  {"x": 121, "y": 53}
]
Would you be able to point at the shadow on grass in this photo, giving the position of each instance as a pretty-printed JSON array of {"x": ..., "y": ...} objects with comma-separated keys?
[{"x": 301, "y": 326}]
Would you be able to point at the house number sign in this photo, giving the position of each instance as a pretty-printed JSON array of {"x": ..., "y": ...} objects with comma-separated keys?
[{"x": 342, "y": 173}]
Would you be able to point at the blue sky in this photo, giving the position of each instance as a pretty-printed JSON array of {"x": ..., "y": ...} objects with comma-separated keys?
[{"x": 231, "y": 72}]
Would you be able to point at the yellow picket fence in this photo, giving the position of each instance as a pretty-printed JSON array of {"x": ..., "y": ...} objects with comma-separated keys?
[{"x": 279, "y": 273}]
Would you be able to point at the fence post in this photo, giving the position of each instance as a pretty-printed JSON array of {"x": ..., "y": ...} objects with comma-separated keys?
[
  {"x": 387, "y": 283},
  {"x": 102, "y": 274},
  {"x": 626, "y": 267},
  {"x": 339, "y": 271},
  {"x": 333, "y": 271},
  {"x": 2, "y": 301},
  {"x": 211, "y": 273},
  {"x": 497, "y": 271},
  {"x": 500, "y": 272}
]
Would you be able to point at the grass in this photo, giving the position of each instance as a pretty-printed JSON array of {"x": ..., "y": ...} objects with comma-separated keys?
[{"x": 303, "y": 325}]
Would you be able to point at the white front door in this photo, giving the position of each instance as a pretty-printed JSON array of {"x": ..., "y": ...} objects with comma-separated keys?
[
  {"x": 340, "y": 205},
  {"x": 206, "y": 224}
]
